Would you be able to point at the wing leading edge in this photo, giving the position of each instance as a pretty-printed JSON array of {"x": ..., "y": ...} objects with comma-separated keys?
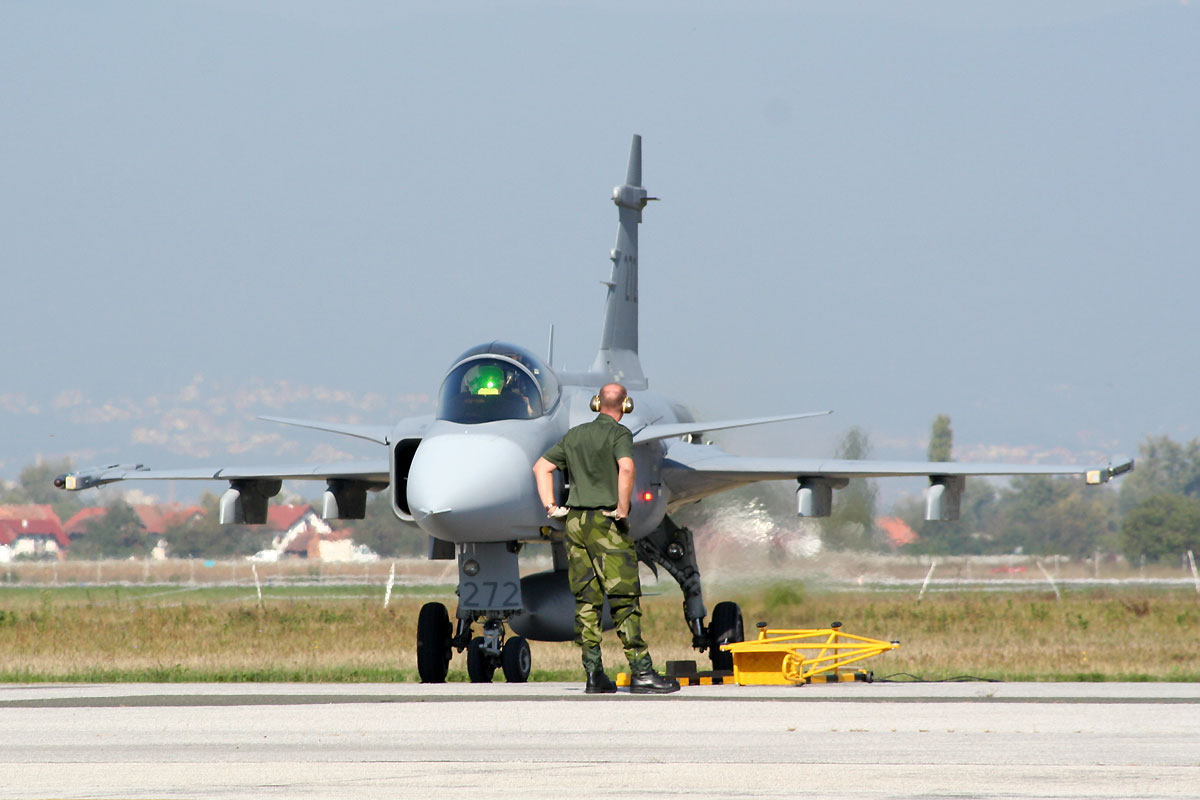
[
  {"x": 694, "y": 471},
  {"x": 371, "y": 471},
  {"x": 251, "y": 487},
  {"x": 650, "y": 433}
]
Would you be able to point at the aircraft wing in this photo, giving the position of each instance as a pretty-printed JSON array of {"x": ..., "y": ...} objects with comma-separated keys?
[
  {"x": 650, "y": 433},
  {"x": 374, "y": 471},
  {"x": 693, "y": 471},
  {"x": 380, "y": 434}
]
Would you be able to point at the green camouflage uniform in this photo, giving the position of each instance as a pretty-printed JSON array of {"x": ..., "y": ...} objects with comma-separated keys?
[{"x": 601, "y": 560}]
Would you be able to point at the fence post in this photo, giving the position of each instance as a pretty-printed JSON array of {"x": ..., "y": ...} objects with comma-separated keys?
[
  {"x": 1048, "y": 578},
  {"x": 257, "y": 585},
  {"x": 928, "y": 575},
  {"x": 387, "y": 595}
]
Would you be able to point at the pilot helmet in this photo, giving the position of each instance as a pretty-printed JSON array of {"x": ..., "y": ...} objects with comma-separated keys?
[{"x": 485, "y": 379}]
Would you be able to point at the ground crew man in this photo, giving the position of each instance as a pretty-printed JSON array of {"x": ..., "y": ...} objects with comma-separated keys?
[{"x": 601, "y": 560}]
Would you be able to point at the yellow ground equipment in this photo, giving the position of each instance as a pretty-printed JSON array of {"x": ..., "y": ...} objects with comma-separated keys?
[{"x": 803, "y": 655}]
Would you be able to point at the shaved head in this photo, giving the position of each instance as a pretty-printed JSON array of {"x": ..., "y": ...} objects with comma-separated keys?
[{"x": 612, "y": 395}]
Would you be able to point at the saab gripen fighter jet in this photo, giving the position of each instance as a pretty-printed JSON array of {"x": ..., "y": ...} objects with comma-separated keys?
[{"x": 464, "y": 476}]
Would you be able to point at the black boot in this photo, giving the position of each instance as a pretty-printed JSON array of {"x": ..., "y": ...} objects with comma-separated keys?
[
  {"x": 598, "y": 682},
  {"x": 650, "y": 682}
]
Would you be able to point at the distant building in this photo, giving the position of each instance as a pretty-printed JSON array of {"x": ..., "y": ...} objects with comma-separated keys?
[
  {"x": 299, "y": 532},
  {"x": 155, "y": 520},
  {"x": 333, "y": 546},
  {"x": 292, "y": 526},
  {"x": 897, "y": 531},
  {"x": 77, "y": 525},
  {"x": 33, "y": 531}
]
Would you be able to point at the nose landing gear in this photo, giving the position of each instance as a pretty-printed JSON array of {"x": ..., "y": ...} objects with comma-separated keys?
[
  {"x": 485, "y": 654},
  {"x": 492, "y": 650}
]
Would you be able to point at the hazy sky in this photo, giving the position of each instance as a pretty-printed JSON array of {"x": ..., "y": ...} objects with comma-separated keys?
[{"x": 889, "y": 209}]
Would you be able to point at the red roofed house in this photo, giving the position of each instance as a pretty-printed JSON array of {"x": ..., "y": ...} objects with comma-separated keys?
[
  {"x": 32, "y": 530},
  {"x": 297, "y": 530},
  {"x": 303, "y": 534},
  {"x": 78, "y": 524},
  {"x": 155, "y": 520},
  {"x": 340, "y": 546},
  {"x": 898, "y": 532}
]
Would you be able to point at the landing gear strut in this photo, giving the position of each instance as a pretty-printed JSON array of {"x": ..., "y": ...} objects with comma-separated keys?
[{"x": 673, "y": 548}]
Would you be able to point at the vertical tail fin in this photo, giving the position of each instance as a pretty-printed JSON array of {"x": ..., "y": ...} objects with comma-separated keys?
[{"x": 618, "y": 355}]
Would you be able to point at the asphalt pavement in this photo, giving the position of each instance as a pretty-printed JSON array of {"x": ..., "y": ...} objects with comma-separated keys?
[{"x": 549, "y": 740}]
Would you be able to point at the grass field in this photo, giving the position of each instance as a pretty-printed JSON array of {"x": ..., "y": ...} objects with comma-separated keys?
[{"x": 343, "y": 633}]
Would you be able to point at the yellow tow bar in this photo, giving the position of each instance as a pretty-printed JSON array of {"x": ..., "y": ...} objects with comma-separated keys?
[{"x": 781, "y": 656}]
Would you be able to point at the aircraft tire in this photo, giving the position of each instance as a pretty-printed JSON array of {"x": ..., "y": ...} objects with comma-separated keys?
[
  {"x": 479, "y": 668},
  {"x": 517, "y": 661},
  {"x": 726, "y": 627},
  {"x": 433, "y": 643}
]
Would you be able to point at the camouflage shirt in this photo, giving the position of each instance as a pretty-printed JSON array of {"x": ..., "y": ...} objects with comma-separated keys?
[{"x": 588, "y": 454}]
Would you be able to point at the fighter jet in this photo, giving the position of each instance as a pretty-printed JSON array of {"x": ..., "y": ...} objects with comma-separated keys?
[{"x": 464, "y": 476}]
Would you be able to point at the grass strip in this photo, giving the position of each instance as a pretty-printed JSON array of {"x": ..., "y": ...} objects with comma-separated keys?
[{"x": 336, "y": 634}]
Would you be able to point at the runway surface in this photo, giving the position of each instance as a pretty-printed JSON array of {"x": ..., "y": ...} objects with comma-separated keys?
[{"x": 880, "y": 740}]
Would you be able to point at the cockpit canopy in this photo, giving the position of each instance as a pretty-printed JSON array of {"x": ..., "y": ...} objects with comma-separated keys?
[{"x": 497, "y": 381}]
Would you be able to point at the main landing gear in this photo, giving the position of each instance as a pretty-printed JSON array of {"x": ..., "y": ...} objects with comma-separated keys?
[
  {"x": 672, "y": 548},
  {"x": 725, "y": 628},
  {"x": 485, "y": 654}
]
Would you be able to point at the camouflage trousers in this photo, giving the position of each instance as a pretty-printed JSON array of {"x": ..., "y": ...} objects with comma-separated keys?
[{"x": 601, "y": 562}]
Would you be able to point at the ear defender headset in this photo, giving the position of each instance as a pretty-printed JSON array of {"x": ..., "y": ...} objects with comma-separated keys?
[{"x": 626, "y": 404}]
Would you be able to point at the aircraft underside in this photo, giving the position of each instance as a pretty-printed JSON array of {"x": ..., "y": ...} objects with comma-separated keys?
[{"x": 510, "y": 610}]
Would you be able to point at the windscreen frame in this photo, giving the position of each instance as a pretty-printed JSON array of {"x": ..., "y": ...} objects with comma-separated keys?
[{"x": 442, "y": 404}]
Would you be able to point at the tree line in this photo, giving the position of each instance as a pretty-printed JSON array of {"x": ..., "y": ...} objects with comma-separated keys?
[{"x": 1151, "y": 514}]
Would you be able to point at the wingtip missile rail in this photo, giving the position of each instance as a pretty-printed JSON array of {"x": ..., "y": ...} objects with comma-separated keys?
[
  {"x": 96, "y": 476},
  {"x": 1098, "y": 476}
]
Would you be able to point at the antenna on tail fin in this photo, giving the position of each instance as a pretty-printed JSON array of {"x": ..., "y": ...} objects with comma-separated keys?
[{"x": 618, "y": 355}]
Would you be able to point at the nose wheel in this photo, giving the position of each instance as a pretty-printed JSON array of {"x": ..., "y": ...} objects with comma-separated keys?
[
  {"x": 485, "y": 654},
  {"x": 492, "y": 651},
  {"x": 516, "y": 660},
  {"x": 480, "y": 664}
]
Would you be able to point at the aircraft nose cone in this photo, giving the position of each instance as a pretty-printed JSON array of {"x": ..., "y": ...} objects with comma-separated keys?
[{"x": 472, "y": 487}]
